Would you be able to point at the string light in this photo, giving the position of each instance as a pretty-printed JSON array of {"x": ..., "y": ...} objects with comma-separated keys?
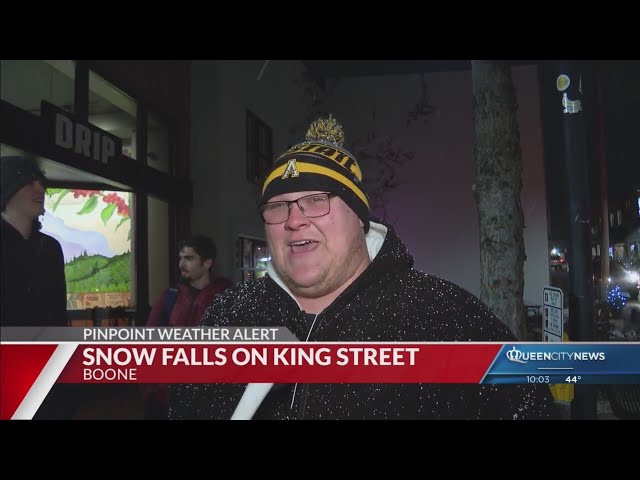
[{"x": 616, "y": 300}]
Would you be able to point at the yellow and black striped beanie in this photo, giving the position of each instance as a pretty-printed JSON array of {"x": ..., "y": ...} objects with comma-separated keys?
[{"x": 320, "y": 163}]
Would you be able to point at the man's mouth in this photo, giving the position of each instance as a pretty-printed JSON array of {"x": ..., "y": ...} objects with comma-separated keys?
[{"x": 303, "y": 246}]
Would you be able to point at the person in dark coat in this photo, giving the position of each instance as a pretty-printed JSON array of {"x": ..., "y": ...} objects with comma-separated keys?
[
  {"x": 34, "y": 292},
  {"x": 337, "y": 275}
]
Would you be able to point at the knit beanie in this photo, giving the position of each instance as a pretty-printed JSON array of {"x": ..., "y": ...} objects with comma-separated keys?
[
  {"x": 16, "y": 173},
  {"x": 320, "y": 163}
]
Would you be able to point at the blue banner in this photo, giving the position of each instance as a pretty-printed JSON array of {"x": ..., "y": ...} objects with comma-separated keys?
[{"x": 568, "y": 363}]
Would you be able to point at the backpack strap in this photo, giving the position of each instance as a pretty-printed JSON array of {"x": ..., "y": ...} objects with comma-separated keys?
[{"x": 169, "y": 302}]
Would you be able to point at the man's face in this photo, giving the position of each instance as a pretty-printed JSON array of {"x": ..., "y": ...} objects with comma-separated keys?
[
  {"x": 192, "y": 268},
  {"x": 316, "y": 256},
  {"x": 28, "y": 201}
]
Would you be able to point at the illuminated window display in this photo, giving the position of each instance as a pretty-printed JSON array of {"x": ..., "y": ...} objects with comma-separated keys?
[
  {"x": 94, "y": 230},
  {"x": 254, "y": 255}
]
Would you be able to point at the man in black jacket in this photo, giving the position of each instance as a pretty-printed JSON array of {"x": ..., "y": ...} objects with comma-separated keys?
[
  {"x": 33, "y": 283},
  {"x": 34, "y": 292},
  {"x": 336, "y": 275}
]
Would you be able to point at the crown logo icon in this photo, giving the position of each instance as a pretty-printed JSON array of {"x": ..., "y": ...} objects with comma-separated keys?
[{"x": 515, "y": 355}]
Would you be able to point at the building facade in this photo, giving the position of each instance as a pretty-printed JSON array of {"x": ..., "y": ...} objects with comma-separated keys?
[{"x": 112, "y": 138}]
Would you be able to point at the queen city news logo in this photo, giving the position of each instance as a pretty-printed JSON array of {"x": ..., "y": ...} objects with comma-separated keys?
[{"x": 518, "y": 356}]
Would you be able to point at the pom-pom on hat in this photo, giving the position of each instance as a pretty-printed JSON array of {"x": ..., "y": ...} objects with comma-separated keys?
[{"x": 320, "y": 163}]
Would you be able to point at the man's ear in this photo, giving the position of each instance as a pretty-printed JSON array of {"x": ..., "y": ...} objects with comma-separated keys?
[{"x": 208, "y": 263}]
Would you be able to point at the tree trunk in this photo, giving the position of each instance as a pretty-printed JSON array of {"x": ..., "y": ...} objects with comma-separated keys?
[{"x": 498, "y": 183}]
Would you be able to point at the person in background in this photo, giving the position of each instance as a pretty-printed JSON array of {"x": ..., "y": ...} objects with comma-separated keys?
[
  {"x": 337, "y": 275},
  {"x": 33, "y": 292},
  {"x": 184, "y": 305}
]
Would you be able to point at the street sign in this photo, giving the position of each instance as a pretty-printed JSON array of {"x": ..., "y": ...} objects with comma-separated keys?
[{"x": 552, "y": 314}]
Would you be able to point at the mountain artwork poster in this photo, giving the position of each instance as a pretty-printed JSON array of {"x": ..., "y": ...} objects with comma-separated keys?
[{"x": 94, "y": 230}]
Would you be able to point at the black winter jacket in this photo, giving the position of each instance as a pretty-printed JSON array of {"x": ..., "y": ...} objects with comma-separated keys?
[
  {"x": 390, "y": 301},
  {"x": 34, "y": 293}
]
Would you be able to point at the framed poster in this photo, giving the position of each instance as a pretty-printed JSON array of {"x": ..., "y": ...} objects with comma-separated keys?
[{"x": 94, "y": 230}]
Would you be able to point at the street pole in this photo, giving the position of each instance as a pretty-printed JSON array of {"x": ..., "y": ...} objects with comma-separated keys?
[
  {"x": 580, "y": 298},
  {"x": 604, "y": 193}
]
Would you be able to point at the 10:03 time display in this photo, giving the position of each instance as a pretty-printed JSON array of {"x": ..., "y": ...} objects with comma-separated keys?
[{"x": 537, "y": 378}]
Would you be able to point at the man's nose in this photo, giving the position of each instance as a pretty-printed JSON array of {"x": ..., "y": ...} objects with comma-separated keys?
[{"x": 296, "y": 218}]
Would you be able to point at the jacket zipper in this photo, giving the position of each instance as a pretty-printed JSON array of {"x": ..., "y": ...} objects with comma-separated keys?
[{"x": 303, "y": 400}]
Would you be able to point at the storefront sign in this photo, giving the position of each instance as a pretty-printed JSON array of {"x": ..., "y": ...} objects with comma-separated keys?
[{"x": 79, "y": 137}]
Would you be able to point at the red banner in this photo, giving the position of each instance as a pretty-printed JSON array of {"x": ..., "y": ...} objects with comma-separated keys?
[
  {"x": 280, "y": 363},
  {"x": 20, "y": 366},
  {"x": 28, "y": 371}
]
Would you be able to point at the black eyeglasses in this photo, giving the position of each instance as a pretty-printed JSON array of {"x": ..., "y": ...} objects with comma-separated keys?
[{"x": 312, "y": 206}]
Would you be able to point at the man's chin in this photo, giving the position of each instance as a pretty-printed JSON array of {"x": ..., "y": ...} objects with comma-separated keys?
[{"x": 306, "y": 285}]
